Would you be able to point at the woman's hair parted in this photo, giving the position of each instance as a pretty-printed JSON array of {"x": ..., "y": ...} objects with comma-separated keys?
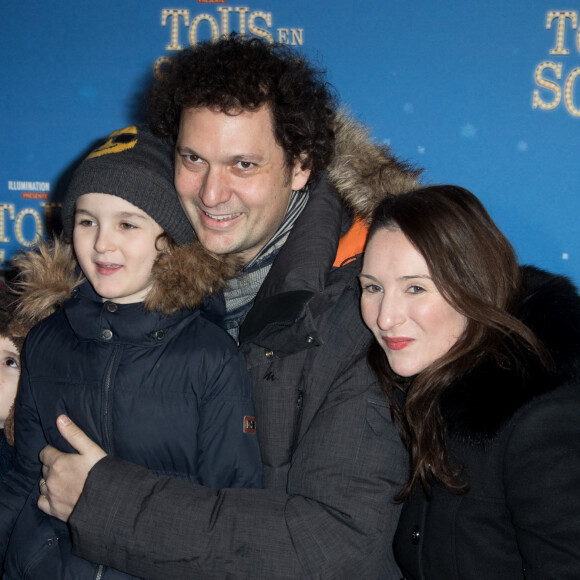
[{"x": 474, "y": 267}]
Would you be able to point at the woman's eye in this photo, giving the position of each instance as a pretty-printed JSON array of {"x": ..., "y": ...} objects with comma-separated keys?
[
  {"x": 127, "y": 226},
  {"x": 86, "y": 223},
  {"x": 371, "y": 288},
  {"x": 416, "y": 289}
]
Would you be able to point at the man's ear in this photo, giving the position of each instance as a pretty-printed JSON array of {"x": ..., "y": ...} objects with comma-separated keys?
[{"x": 299, "y": 174}]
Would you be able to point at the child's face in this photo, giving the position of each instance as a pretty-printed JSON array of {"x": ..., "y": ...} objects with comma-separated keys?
[
  {"x": 9, "y": 375},
  {"x": 114, "y": 242}
]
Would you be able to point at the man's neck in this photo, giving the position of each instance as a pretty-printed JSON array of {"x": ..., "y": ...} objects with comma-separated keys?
[{"x": 240, "y": 292}]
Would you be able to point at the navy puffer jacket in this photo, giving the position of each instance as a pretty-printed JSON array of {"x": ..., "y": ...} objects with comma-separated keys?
[{"x": 168, "y": 392}]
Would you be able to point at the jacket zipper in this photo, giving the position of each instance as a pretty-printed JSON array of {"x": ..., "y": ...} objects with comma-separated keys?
[
  {"x": 298, "y": 422},
  {"x": 111, "y": 368}
]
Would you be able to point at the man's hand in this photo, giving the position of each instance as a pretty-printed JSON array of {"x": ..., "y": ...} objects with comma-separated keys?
[{"x": 64, "y": 474}]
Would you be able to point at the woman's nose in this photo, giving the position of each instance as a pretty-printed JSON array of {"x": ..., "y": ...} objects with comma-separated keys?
[{"x": 391, "y": 313}]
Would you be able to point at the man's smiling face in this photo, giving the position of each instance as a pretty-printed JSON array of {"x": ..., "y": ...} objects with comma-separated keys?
[{"x": 232, "y": 179}]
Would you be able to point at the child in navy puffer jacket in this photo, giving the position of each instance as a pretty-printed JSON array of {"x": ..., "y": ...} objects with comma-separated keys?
[{"x": 129, "y": 354}]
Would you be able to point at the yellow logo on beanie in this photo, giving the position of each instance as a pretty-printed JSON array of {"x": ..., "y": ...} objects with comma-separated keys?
[{"x": 118, "y": 141}]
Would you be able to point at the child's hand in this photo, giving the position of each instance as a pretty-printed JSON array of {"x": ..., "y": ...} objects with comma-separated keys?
[{"x": 64, "y": 474}]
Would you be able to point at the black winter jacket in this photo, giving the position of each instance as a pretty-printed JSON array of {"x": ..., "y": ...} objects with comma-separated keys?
[
  {"x": 516, "y": 431},
  {"x": 6, "y": 454},
  {"x": 168, "y": 392}
]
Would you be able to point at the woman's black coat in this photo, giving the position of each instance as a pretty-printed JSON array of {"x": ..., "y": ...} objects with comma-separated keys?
[{"x": 516, "y": 431}]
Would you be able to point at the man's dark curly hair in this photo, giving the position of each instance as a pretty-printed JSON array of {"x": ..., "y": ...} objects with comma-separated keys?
[{"x": 237, "y": 74}]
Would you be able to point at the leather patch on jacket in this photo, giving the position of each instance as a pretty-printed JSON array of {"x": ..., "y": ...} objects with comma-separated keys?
[{"x": 249, "y": 424}]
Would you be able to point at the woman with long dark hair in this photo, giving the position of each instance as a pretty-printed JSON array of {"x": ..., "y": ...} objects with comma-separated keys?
[{"x": 480, "y": 359}]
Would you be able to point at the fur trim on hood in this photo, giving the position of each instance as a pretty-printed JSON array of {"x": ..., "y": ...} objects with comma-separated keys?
[
  {"x": 477, "y": 407},
  {"x": 365, "y": 172},
  {"x": 182, "y": 278},
  {"x": 45, "y": 278}
]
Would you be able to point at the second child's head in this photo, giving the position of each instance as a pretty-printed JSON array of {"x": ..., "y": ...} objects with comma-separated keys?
[
  {"x": 121, "y": 211},
  {"x": 12, "y": 333}
]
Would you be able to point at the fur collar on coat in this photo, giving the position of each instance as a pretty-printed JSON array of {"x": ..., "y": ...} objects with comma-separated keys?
[
  {"x": 364, "y": 172},
  {"x": 181, "y": 279},
  {"x": 476, "y": 408}
]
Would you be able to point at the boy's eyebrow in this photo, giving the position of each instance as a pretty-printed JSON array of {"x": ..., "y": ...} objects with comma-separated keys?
[
  {"x": 13, "y": 353},
  {"x": 121, "y": 214},
  {"x": 132, "y": 214},
  {"x": 81, "y": 210}
]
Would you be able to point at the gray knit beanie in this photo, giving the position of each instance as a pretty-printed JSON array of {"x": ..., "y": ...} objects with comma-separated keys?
[{"x": 136, "y": 166}]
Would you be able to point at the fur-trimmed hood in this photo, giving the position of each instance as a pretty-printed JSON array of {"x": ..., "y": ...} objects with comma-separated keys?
[
  {"x": 182, "y": 278},
  {"x": 365, "y": 172},
  {"x": 477, "y": 407}
]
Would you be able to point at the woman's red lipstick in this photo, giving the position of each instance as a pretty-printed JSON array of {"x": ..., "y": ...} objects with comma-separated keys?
[{"x": 398, "y": 343}]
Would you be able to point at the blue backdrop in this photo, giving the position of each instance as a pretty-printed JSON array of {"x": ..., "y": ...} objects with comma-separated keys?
[{"x": 483, "y": 95}]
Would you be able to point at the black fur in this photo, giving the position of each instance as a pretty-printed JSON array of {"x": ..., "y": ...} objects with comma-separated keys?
[{"x": 478, "y": 406}]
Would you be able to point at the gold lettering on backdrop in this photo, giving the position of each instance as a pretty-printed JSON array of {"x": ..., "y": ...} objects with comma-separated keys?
[
  {"x": 8, "y": 216},
  {"x": 561, "y": 16},
  {"x": 549, "y": 85},
  {"x": 174, "y": 14},
  {"x": 3, "y": 208},
  {"x": 194, "y": 24},
  {"x": 242, "y": 10},
  {"x": 37, "y": 230},
  {"x": 569, "y": 91},
  {"x": 258, "y": 23},
  {"x": 555, "y": 70},
  {"x": 225, "y": 11},
  {"x": 159, "y": 64},
  {"x": 291, "y": 36},
  {"x": 267, "y": 17}
]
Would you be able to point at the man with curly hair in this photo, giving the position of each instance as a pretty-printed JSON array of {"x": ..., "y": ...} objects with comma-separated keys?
[{"x": 267, "y": 169}]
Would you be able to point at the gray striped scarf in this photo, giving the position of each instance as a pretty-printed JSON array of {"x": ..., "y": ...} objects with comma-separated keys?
[{"x": 240, "y": 292}]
